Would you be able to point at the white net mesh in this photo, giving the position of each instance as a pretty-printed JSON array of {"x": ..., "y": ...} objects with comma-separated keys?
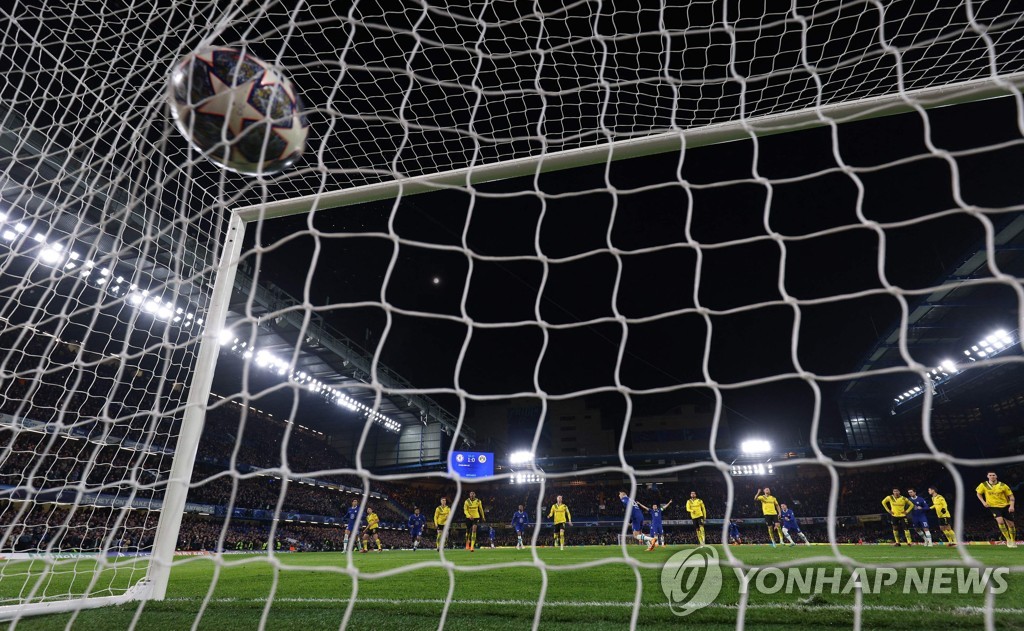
[{"x": 851, "y": 293}]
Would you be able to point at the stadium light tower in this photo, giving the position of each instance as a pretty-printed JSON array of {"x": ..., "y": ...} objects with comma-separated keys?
[
  {"x": 520, "y": 457},
  {"x": 755, "y": 446}
]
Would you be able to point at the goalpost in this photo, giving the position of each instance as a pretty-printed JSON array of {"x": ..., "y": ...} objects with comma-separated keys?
[{"x": 121, "y": 247}]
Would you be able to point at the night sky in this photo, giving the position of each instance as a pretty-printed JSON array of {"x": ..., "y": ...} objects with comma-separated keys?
[{"x": 569, "y": 219}]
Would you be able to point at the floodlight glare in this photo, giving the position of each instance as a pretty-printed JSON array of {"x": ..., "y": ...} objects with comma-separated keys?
[
  {"x": 755, "y": 446},
  {"x": 520, "y": 457}
]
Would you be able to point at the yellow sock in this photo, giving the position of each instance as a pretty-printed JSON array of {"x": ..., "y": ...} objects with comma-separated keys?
[
  {"x": 561, "y": 536},
  {"x": 906, "y": 533},
  {"x": 378, "y": 544},
  {"x": 556, "y": 539},
  {"x": 770, "y": 535},
  {"x": 1005, "y": 531},
  {"x": 472, "y": 543},
  {"x": 1013, "y": 531},
  {"x": 895, "y": 535},
  {"x": 437, "y": 542},
  {"x": 700, "y": 535}
]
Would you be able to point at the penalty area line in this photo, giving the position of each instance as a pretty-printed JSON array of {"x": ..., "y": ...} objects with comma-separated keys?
[{"x": 965, "y": 610}]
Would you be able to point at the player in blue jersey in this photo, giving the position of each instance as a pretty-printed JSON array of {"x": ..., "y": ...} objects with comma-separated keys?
[
  {"x": 919, "y": 517},
  {"x": 351, "y": 515},
  {"x": 519, "y": 520},
  {"x": 416, "y": 523},
  {"x": 790, "y": 525},
  {"x": 635, "y": 515},
  {"x": 491, "y": 535},
  {"x": 734, "y": 533},
  {"x": 656, "y": 530}
]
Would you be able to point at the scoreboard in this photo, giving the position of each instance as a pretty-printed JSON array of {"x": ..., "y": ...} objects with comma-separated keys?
[{"x": 471, "y": 464}]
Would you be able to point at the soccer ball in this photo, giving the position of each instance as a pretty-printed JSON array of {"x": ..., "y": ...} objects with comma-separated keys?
[{"x": 238, "y": 111}]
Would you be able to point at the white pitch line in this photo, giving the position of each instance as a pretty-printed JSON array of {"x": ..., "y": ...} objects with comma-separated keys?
[{"x": 964, "y": 610}]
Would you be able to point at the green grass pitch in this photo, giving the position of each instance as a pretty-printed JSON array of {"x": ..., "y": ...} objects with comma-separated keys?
[{"x": 399, "y": 590}]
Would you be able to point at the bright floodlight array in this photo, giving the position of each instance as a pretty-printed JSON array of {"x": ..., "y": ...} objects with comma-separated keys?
[
  {"x": 15, "y": 234},
  {"x": 268, "y": 361},
  {"x": 752, "y": 469},
  {"x": 755, "y": 446},
  {"x": 988, "y": 347},
  {"x": 520, "y": 457},
  {"x": 525, "y": 478}
]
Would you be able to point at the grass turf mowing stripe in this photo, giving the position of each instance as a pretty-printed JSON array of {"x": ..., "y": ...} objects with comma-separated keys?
[{"x": 612, "y": 603}]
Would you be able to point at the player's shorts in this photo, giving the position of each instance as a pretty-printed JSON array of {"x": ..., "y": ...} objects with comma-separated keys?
[
  {"x": 559, "y": 527},
  {"x": 519, "y": 528},
  {"x": 771, "y": 520},
  {"x": 657, "y": 530},
  {"x": 371, "y": 532},
  {"x": 416, "y": 532},
  {"x": 945, "y": 521},
  {"x": 791, "y": 526},
  {"x": 900, "y": 522},
  {"x": 472, "y": 521},
  {"x": 638, "y": 524},
  {"x": 697, "y": 521},
  {"x": 919, "y": 523},
  {"x": 1001, "y": 511}
]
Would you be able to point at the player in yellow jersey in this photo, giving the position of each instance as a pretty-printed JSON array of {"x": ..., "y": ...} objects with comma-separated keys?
[
  {"x": 561, "y": 514},
  {"x": 473, "y": 508},
  {"x": 898, "y": 508},
  {"x": 999, "y": 500},
  {"x": 698, "y": 513},
  {"x": 770, "y": 510},
  {"x": 441, "y": 514},
  {"x": 370, "y": 529},
  {"x": 942, "y": 512}
]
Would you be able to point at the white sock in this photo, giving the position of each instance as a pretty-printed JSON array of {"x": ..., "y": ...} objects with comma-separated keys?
[
  {"x": 804, "y": 537},
  {"x": 928, "y": 537}
]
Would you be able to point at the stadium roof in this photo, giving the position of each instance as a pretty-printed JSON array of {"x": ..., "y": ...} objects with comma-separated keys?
[
  {"x": 115, "y": 235},
  {"x": 965, "y": 307}
]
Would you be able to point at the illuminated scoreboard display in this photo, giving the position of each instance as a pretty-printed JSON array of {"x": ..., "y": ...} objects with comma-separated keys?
[{"x": 471, "y": 464}]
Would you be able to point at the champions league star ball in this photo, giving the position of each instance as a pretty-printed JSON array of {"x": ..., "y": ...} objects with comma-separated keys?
[{"x": 237, "y": 111}]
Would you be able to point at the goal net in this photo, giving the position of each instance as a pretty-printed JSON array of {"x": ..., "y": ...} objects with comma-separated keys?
[{"x": 622, "y": 239}]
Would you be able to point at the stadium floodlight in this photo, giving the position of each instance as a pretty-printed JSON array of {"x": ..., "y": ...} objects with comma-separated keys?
[
  {"x": 755, "y": 446},
  {"x": 49, "y": 255},
  {"x": 520, "y": 457}
]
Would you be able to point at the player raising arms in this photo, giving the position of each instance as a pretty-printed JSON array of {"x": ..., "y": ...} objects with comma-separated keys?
[
  {"x": 898, "y": 506},
  {"x": 351, "y": 515},
  {"x": 519, "y": 520},
  {"x": 919, "y": 517},
  {"x": 999, "y": 500},
  {"x": 416, "y": 522},
  {"x": 790, "y": 525},
  {"x": 770, "y": 509},
  {"x": 634, "y": 511},
  {"x": 370, "y": 530},
  {"x": 698, "y": 513},
  {"x": 657, "y": 531},
  {"x": 473, "y": 509},
  {"x": 942, "y": 511},
  {"x": 441, "y": 514},
  {"x": 561, "y": 514}
]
